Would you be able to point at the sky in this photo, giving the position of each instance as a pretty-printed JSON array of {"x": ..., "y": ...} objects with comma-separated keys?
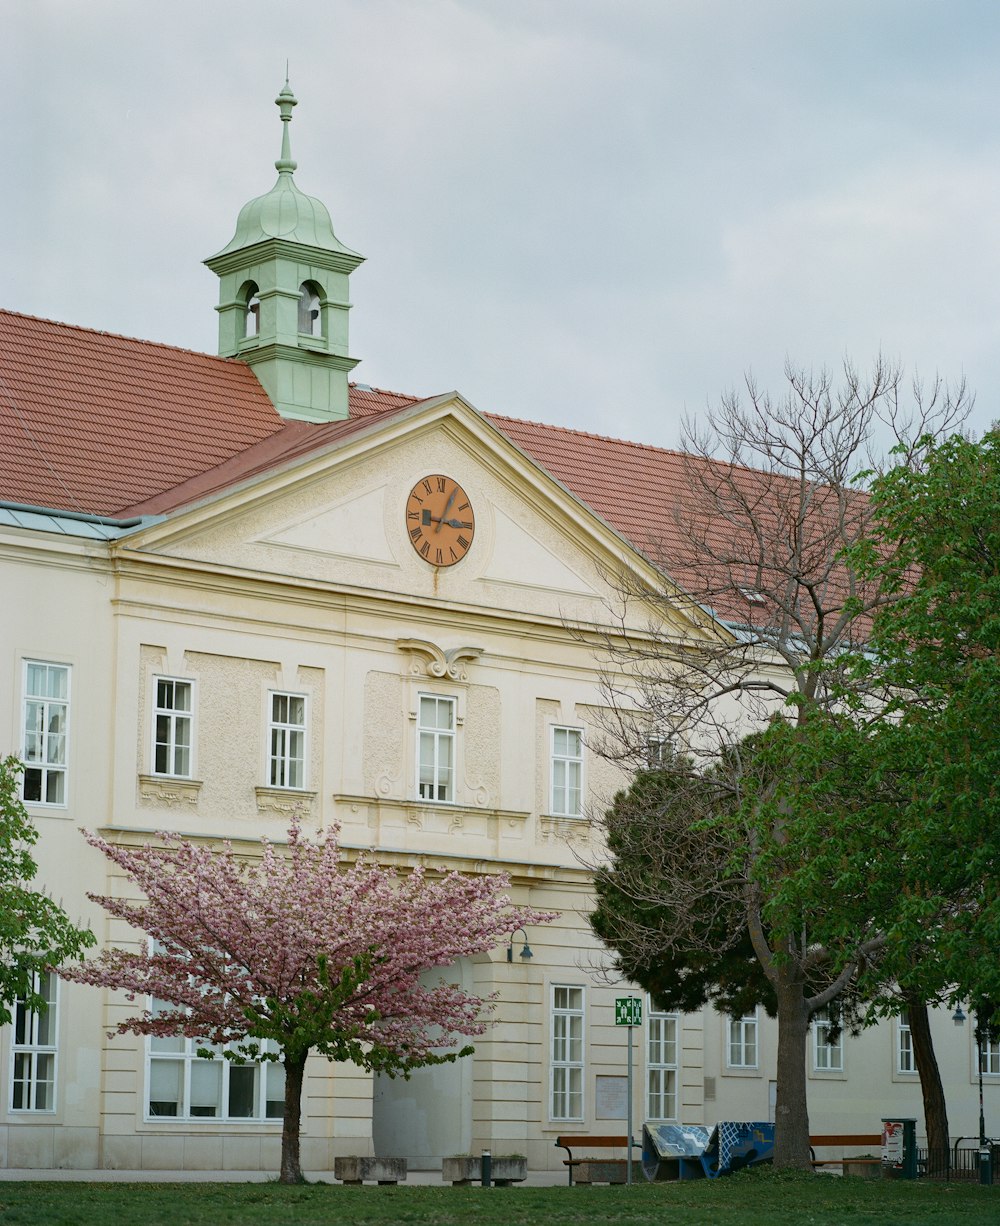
[{"x": 593, "y": 213}]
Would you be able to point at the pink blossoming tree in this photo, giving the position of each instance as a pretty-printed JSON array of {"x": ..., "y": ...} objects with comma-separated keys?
[{"x": 296, "y": 948}]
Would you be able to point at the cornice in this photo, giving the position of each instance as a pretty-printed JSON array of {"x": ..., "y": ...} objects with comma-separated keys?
[{"x": 522, "y": 872}]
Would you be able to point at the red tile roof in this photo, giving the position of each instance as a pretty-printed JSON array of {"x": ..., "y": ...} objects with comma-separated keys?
[
  {"x": 107, "y": 425},
  {"x": 634, "y": 487},
  {"x": 94, "y": 422}
]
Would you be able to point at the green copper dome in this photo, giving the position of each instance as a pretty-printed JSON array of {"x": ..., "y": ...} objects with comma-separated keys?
[{"x": 285, "y": 212}]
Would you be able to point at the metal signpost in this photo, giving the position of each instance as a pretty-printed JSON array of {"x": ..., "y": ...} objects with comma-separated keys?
[{"x": 628, "y": 1012}]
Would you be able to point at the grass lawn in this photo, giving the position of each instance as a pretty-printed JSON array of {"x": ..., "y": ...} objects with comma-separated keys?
[{"x": 752, "y": 1197}]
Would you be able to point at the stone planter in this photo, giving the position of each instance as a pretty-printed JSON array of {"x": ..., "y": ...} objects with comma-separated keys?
[
  {"x": 356, "y": 1171},
  {"x": 466, "y": 1169},
  {"x": 863, "y": 1168}
]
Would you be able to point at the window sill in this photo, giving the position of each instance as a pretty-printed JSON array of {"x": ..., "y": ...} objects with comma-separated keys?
[
  {"x": 204, "y": 1122},
  {"x": 169, "y": 789},
  {"x": 284, "y": 800},
  {"x": 740, "y": 1071},
  {"x": 42, "y": 808}
]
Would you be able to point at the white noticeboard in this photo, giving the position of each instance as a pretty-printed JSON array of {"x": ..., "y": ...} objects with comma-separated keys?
[{"x": 612, "y": 1098}]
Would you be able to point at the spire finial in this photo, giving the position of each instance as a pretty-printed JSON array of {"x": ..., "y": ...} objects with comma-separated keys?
[{"x": 284, "y": 102}]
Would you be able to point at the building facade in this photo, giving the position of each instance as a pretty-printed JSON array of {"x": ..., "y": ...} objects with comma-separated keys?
[{"x": 239, "y": 588}]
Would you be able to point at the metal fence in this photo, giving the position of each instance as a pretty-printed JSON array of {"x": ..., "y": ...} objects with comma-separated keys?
[{"x": 959, "y": 1164}]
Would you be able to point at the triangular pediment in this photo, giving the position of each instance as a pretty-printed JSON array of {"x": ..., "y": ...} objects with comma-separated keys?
[
  {"x": 520, "y": 559},
  {"x": 351, "y": 528},
  {"x": 337, "y": 517}
]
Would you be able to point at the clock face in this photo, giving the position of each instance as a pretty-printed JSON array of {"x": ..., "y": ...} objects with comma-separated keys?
[{"x": 439, "y": 520}]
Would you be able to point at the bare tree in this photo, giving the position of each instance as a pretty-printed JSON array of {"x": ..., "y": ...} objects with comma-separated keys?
[{"x": 763, "y": 541}]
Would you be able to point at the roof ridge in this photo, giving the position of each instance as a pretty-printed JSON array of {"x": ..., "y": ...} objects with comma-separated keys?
[
  {"x": 118, "y": 336},
  {"x": 606, "y": 438}
]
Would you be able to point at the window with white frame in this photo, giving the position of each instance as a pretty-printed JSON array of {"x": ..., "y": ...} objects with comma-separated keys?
[
  {"x": 828, "y": 1044},
  {"x": 46, "y": 732},
  {"x": 906, "y": 1061},
  {"x": 436, "y": 747},
  {"x": 33, "y": 1049},
  {"x": 659, "y": 751},
  {"x": 661, "y": 1065},
  {"x": 567, "y": 1053},
  {"x": 182, "y": 1085},
  {"x": 287, "y": 741},
  {"x": 173, "y": 721},
  {"x": 990, "y": 1052},
  {"x": 743, "y": 1041},
  {"x": 567, "y": 772}
]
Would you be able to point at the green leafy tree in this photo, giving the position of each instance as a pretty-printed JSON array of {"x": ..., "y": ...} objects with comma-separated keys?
[
  {"x": 750, "y": 882},
  {"x": 936, "y": 553},
  {"x": 666, "y": 904},
  {"x": 35, "y": 933}
]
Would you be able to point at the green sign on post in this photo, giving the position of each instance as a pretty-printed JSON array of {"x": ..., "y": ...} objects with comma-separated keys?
[{"x": 628, "y": 1010}]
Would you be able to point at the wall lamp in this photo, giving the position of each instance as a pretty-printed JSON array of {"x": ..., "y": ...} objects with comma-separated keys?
[{"x": 525, "y": 950}]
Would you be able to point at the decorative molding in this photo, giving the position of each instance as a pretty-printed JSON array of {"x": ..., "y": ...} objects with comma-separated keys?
[
  {"x": 438, "y": 662},
  {"x": 283, "y": 800},
  {"x": 564, "y": 829},
  {"x": 166, "y": 790}
]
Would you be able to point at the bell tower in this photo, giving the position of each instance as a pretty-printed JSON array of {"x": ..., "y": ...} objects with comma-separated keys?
[{"x": 283, "y": 294}]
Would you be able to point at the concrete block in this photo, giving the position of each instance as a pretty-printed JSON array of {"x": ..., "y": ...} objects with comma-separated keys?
[{"x": 369, "y": 1170}]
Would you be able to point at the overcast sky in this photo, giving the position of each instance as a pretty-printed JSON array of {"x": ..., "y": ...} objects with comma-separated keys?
[{"x": 596, "y": 213}]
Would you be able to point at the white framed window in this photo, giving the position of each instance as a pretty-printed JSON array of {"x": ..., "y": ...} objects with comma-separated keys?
[
  {"x": 828, "y": 1052},
  {"x": 185, "y": 1086},
  {"x": 567, "y": 772},
  {"x": 743, "y": 1042},
  {"x": 33, "y": 1049},
  {"x": 659, "y": 751},
  {"x": 173, "y": 726},
  {"x": 661, "y": 1065},
  {"x": 46, "y": 732},
  {"x": 906, "y": 1061},
  {"x": 286, "y": 736},
  {"x": 181, "y": 1085},
  {"x": 566, "y": 1069},
  {"x": 436, "y": 747},
  {"x": 990, "y": 1055}
]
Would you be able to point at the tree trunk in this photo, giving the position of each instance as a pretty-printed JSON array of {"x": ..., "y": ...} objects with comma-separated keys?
[
  {"x": 791, "y": 1130},
  {"x": 935, "y": 1108},
  {"x": 291, "y": 1171}
]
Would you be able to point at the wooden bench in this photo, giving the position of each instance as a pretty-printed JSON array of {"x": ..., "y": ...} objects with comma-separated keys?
[
  {"x": 842, "y": 1139},
  {"x": 609, "y": 1170}
]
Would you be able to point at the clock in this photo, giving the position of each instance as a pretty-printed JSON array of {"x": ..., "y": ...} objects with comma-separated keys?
[{"x": 439, "y": 520}]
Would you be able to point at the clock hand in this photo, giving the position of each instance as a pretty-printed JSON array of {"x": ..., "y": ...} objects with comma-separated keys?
[
  {"x": 447, "y": 508},
  {"x": 454, "y": 523}
]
